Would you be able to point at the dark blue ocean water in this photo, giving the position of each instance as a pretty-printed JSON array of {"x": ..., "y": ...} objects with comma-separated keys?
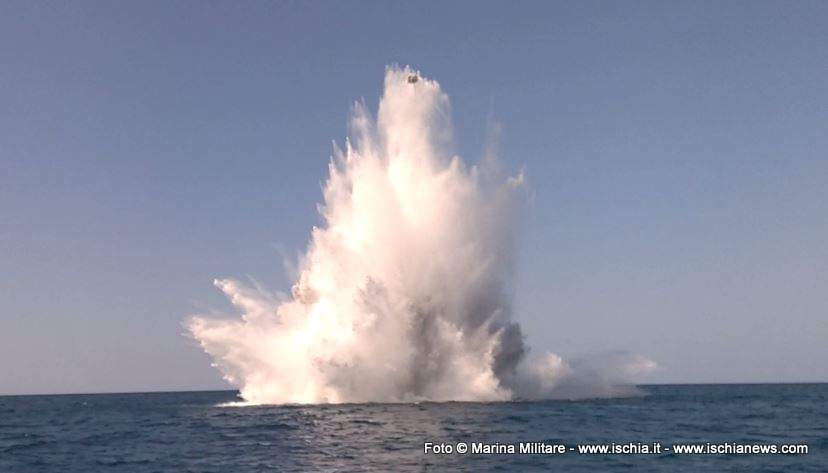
[{"x": 191, "y": 431}]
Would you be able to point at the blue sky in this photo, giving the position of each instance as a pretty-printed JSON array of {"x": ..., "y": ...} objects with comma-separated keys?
[{"x": 677, "y": 153}]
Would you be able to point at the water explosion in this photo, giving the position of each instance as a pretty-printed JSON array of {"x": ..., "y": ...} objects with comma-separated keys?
[{"x": 403, "y": 294}]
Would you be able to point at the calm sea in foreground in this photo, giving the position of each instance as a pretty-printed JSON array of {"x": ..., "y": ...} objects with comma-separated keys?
[{"x": 195, "y": 431}]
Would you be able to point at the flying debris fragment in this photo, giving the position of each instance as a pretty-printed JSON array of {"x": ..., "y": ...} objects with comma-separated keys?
[{"x": 413, "y": 78}]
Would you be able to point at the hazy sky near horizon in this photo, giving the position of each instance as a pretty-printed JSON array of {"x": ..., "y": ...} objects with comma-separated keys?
[{"x": 677, "y": 154}]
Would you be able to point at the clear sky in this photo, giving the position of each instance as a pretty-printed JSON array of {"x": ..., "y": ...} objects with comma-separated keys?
[{"x": 677, "y": 154}]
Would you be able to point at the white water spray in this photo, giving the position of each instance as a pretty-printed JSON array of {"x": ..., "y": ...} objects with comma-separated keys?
[{"x": 404, "y": 294}]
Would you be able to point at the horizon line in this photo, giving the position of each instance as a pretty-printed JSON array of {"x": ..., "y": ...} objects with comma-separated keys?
[{"x": 110, "y": 393}]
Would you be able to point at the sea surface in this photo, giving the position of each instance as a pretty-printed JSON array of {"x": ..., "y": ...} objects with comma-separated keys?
[{"x": 200, "y": 432}]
